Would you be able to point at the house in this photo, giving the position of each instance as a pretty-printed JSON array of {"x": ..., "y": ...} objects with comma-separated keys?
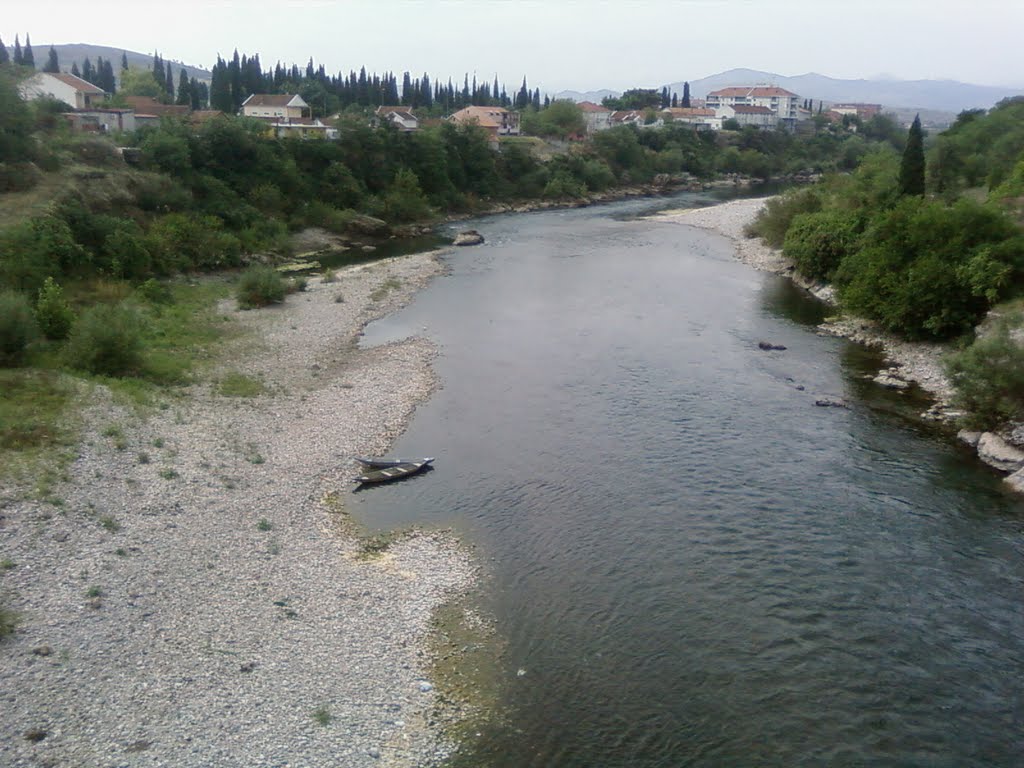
[
  {"x": 275, "y": 105},
  {"x": 597, "y": 117},
  {"x": 300, "y": 128},
  {"x": 146, "y": 105},
  {"x": 784, "y": 104},
  {"x": 497, "y": 121},
  {"x": 702, "y": 119},
  {"x": 637, "y": 117},
  {"x": 401, "y": 117},
  {"x": 863, "y": 111},
  {"x": 747, "y": 114},
  {"x": 102, "y": 120},
  {"x": 73, "y": 91}
]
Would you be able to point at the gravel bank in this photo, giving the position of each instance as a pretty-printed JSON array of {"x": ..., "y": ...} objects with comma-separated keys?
[
  {"x": 908, "y": 361},
  {"x": 199, "y": 599}
]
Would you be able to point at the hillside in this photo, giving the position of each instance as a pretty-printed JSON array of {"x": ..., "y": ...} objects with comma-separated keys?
[{"x": 70, "y": 53}]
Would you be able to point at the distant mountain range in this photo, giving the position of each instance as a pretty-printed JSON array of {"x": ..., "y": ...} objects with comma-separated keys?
[
  {"x": 948, "y": 96},
  {"x": 76, "y": 53}
]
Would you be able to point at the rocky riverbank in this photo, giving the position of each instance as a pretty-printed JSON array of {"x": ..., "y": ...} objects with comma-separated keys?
[
  {"x": 909, "y": 362},
  {"x": 198, "y": 596}
]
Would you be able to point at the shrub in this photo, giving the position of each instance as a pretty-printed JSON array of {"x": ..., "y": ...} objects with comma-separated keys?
[
  {"x": 53, "y": 314},
  {"x": 154, "y": 292},
  {"x": 989, "y": 379},
  {"x": 818, "y": 242},
  {"x": 17, "y": 327},
  {"x": 260, "y": 286},
  {"x": 774, "y": 219},
  {"x": 34, "y": 250},
  {"x": 562, "y": 185},
  {"x": 182, "y": 242},
  {"x": 930, "y": 270},
  {"x": 106, "y": 340}
]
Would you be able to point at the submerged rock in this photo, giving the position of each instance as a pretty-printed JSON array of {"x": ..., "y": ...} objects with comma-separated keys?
[
  {"x": 1016, "y": 481},
  {"x": 828, "y": 402},
  {"x": 768, "y": 346},
  {"x": 998, "y": 453},
  {"x": 891, "y": 379},
  {"x": 469, "y": 237}
]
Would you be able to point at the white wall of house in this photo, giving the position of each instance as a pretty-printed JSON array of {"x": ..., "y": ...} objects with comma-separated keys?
[{"x": 41, "y": 85}]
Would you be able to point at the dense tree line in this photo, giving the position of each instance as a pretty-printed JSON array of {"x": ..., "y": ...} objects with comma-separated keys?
[{"x": 234, "y": 80}]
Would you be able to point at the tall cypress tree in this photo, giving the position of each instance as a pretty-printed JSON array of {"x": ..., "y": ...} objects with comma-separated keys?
[
  {"x": 686, "y": 96},
  {"x": 52, "y": 63},
  {"x": 27, "y": 57},
  {"x": 75, "y": 70},
  {"x": 4, "y": 56},
  {"x": 17, "y": 52},
  {"x": 184, "y": 89},
  {"x": 124, "y": 61},
  {"x": 169, "y": 83},
  {"x": 912, "y": 165}
]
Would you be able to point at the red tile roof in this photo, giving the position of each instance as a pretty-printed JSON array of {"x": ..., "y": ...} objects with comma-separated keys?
[
  {"x": 269, "y": 100},
  {"x": 752, "y": 91},
  {"x": 589, "y": 106},
  {"x": 144, "y": 105},
  {"x": 76, "y": 82}
]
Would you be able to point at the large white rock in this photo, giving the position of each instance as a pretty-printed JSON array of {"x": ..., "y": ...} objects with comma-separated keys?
[
  {"x": 1016, "y": 481},
  {"x": 969, "y": 437},
  {"x": 996, "y": 452}
]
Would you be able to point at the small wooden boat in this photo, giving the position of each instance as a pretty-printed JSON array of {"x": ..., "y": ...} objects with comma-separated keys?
[
  {"x": 396, "y": 472},
  {"x": 386, "y": 463}
]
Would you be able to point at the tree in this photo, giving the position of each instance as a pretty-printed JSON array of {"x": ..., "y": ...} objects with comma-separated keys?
[
  {"x": 27, "y": 57},
  {"x": 140, "y": 82},
  {"x": 912, "y": 167},
  {"x": 18, "y": 60},
  {"x": 124, "y": 61},
  {"x": 169, "y": 82},
  {"x": 184, "y": 88},
  {"x": 75, "y": 70},
  {"x": 52, "y": 63},
  {"x": 4, "y": 56},
  {"x": 686, "y": 96}
]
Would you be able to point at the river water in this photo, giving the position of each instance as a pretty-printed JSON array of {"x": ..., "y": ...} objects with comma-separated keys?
[{"x": 688, "y": 563}]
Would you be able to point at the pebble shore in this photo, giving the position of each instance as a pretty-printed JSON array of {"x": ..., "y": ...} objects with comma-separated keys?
[{"x": 198, "y": 597}]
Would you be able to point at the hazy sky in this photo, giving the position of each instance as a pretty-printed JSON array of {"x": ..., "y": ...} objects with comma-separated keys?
[{"x": 559, "y": 44}]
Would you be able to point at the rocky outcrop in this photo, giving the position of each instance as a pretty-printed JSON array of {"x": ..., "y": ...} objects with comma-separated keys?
[
  {"x": 998, "y": 453},
  {"x": 1016, "y": 481},
  {"x": 969, "y": 437},
  {"x": 367, "y": 225},
  {"x": 469, "y": 237},
  {"x": 891, "y": 378}
]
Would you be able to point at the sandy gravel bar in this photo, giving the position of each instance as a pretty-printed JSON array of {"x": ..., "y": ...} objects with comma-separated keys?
[
  {"x": 911, "y": 361},
  {"x": 164, "y": 625}
]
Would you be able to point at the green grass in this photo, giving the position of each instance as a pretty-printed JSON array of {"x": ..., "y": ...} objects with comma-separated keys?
[
  {"x": 322, "y": 715},
  {"x": 110, "y": 524},
  {"x": 237, "y": 384},
  {"x": 8, "y": 622},
  {"x": 36, "y": 426},
  {"x": 94, "y": 591},
  {"x": 264, "y": 525},
  {"x": 391, "y": 284}
]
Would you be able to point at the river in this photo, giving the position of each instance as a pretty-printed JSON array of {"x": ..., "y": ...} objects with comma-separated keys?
[{"x": 688, "y": 562}]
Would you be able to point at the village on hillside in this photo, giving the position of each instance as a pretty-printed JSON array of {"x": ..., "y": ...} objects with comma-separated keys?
[{"x": 764, "y": 107}]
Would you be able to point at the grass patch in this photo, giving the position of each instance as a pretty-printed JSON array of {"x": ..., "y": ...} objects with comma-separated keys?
[
  {"x": 391, "y": 284},
  {"x": 322, "y": 716},
  {"x": 168, "y": 474},
  {"x": 36, "y": 428},
  {"x": 264, "y": 525},
  {"x": 237, "y": 384},
  {"x": 94, "y": 591},
  {"x": 7, "y": 564},
  {"x": 110, "y": 524},
  {"x": 8, "y": 622}
]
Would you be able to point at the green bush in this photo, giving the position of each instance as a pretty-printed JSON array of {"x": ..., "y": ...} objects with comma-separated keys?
[
  {"x": 818, "y": 242},
  {"x": 106, "y": 340},
  {"x": 17, "y": 327},
  {"x": 989, "y": 380},
  {"x": 929, "y": 270},
  {"x": 34, "y": 250},
  {"x": 562, "y": 185},
  {"x": 774, "y": 219},
  {"x": 260, "y": 286},
  {"x": 185, "y": 242},
  {"x": 53, "y": 314},
  {"x": 154, "y": 292}
]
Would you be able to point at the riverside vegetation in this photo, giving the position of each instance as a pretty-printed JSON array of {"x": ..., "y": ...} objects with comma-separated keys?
[
  {"x": 98, "y": 256},
  {"x": 931, "y": 247}
]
